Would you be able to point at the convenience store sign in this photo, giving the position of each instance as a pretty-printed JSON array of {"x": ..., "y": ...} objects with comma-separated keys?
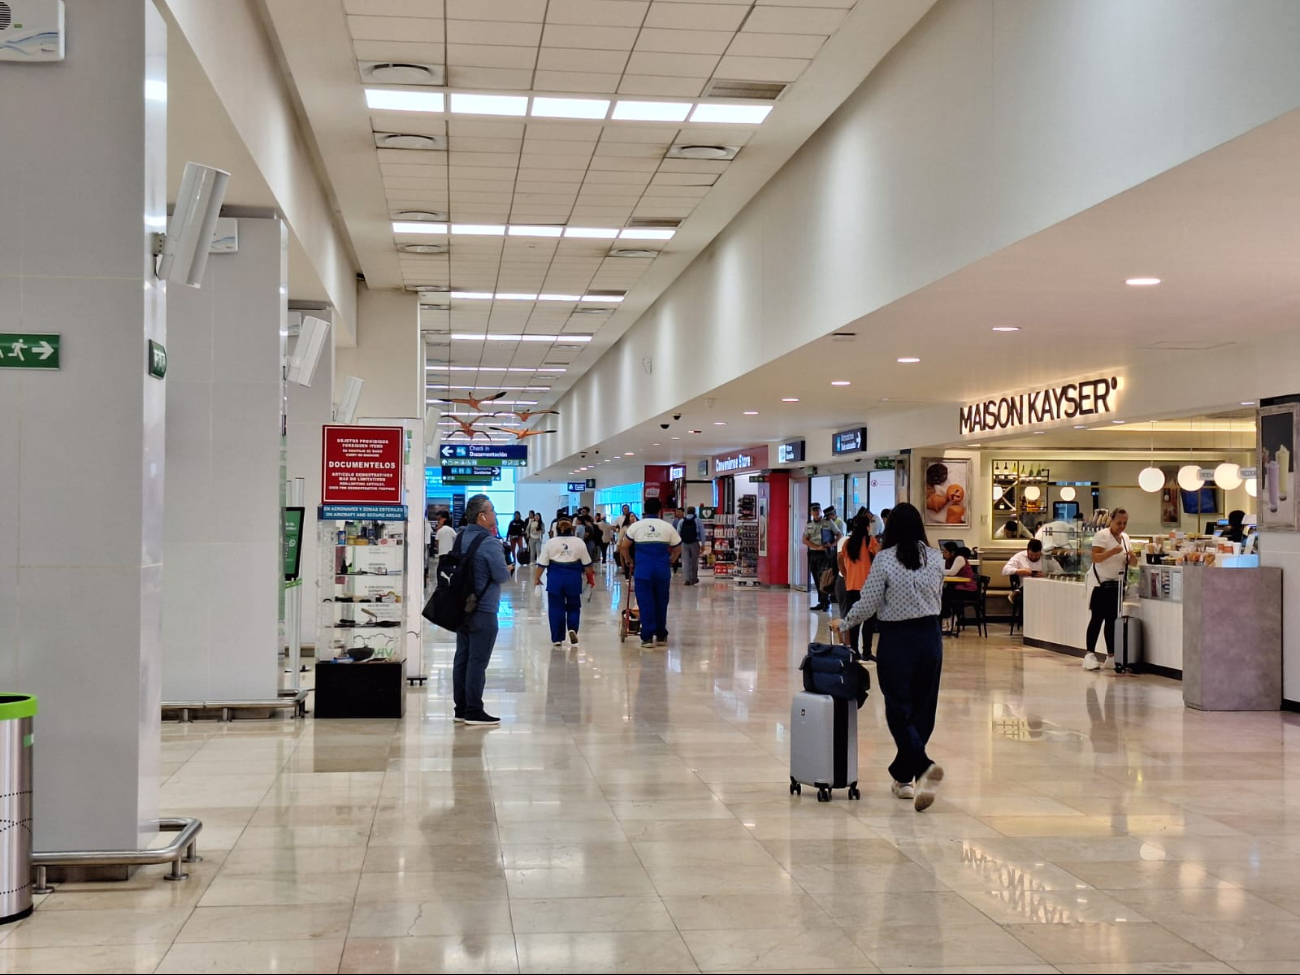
[{"x": 1068, "y": 401}]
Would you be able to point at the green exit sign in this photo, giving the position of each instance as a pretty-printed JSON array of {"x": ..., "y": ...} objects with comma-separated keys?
[
  {"x": 157, "y": 360},
  {"x": 29, "y": 350}
]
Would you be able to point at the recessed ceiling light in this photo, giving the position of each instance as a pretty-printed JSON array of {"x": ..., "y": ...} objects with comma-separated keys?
[
  {"x": 472, "y": 295},
  {"x": 1006, "y": 328},
  {"x": 656, "y": 445},
  {"x": 629, "y": 453},
  {"x": 437, "y": 215},
  {"x": 1141, "y": 282},
  {"x": 418, "y": 227},
  {"x": 596, "y": 233},
  {"x": 1248, "y": 402},
  {"x": 422, "y": 248},
  {"x": 570, "y": 107},
  {"x": 840, "y": 382},
  {"x": 694, "y": 431},
  {"x": 790, "y": 399},
  {"x": 909, "y": 359},
  {"x": 635, "y": 111},
  {"x": 386, "y": 100},
  {"x": 1081, "y": 426},
  {"x": 751, "y": 413},
  {"x": 1118, "y": 421},
  {"x": 529, "y": 337},
  {"x": 1039, "y": 433},
  {"x": 677, "y": 438},
  {"x": 535, "y": 231},
  {"x": 719, "y": 423},
  {"x": 646, "y": 233},
  {"x": 467, "y": 104},
  {"x": 573, "y": 298},
  {"x": 510, "y": 296},
  {"x": 479, "y": 229},
  {"x": 735, "y": 114}
]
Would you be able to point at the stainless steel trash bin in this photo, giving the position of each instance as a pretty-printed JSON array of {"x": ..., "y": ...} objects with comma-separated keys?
[{"x": 16, "y": 714}]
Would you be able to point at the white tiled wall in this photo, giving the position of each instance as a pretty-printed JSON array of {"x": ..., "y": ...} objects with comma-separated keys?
[
  {"x": 82, "y": 474},
  {"x": 225, "y": 388}
]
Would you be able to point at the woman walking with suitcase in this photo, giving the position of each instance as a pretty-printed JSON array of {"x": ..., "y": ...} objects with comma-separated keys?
[{"x": 904, "y": 591}]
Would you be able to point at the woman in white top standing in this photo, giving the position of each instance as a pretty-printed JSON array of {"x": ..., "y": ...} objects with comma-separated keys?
[
  {"x": 904, "y": 591},
  {"x": 1112, "y": 554}
]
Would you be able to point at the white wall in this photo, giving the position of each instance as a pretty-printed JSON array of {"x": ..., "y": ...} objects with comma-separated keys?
[
  {"x": 225, "y": 395},
  {"x": 388, "y": 354},
  {"x": 543, "y": 496},
  {"x": 992, "y": 120}
]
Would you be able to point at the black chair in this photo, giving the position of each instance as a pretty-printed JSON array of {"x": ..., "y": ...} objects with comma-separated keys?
[
  {"x": 977, "y": 601},
  {"x": 1017, "y": 606}
]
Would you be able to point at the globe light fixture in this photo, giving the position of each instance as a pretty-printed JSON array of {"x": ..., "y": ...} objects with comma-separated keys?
[
  {"x": 1189, "y": 478},
  {"x": 1228, "y": 476},
  {"x": 1068, "y": 494},
  {"x": 1151, "y": 479}
]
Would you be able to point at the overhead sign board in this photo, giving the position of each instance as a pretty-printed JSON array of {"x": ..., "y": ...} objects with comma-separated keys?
[
  {"x": 1068, "y": 401},
  {"x": 677, "y": 473},
  {"x": 591, "y": 484},
  {"x": 702, "y": 468},
  {"x": 741, "y": 460},
  {"x": 849, "y": 441},
  {"x": 791, "y": 452},
  {"x": 361, "y": 465},
  {"x": 469, "y": 470},
  {"x": 484, "y": 455},
  {"x": 577, "y": 487},
  {"x": 482, "y": 480}
]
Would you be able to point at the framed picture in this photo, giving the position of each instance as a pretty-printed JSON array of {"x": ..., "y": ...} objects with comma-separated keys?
[
  {"x": 1169, "y": 506},
  {"x": 946, "y": 490},
  {"x": 1277, "y": 426}
]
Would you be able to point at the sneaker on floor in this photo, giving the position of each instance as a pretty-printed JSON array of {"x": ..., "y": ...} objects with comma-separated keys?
[
  {"x": 557, "y": 643},
  {"x": 483, "y": 718},
  {"x": 1090, "y": 662},
  {"x": 925, "y": 787},
  {"x": 573, "y": 638},
  {"x": 661, "y": 642},
  {"x": 1107, "y": 662},
  {"x": 459, "y": 719},
  {"x": 903, "y": 790},
  {"x": 647, "y": 644}
]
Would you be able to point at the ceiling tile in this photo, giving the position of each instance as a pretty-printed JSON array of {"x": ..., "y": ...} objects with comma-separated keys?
[
  {"x": 843, "y": 4},
  {"x": 472, "y": 144},
  {"x": 626, "y": 165},
  {"x": 484, "y": 129},
  {"x": 416, "y": 51},
  {"x": 512, "y": 79},
  {"x": 396, "y": 8},
  {"x": 599, "y": 38},
  {"x": 420, "y": 172},
  {"x": 409, "y": 183},
  {"x": 672, "y": 65},
  {"x": 498, "y": 10},
  {"x": 549, "y": 161},
  {"x": 639, "y": 133},
  {"x": 576, "y": 81},
  {"x": 570, "y": 59},
  {"x": 563, "y": 132},
  {"x": 761, "y": 69},
  {"x": 619, "y": 213},
  {"x": 694, "y": 166},
  {"x": 493, "y": 32},
  {"x": 795, "y": 20},
  {"x": 491, "y": 56},
  {"x": 597, "y": 13},
  {"x": 645, "y": 84},
  {"x": 426, "y": 159},
  {"x": 728, "y": 135},
  {"x": 696, "y": 16},
  {"x": 540, "y": 174},
  {"x": 684, "y": 179},
  {"x": 410, "y": 122},
  {"x": 484, "y": 160},
  {"x": 776, "y": 45},
  {"x": 396, "y": 28},
  {"x": 684, "y": 41},
  {"x": 659, "y": 195},
  {"x": 614, "y": 177},
  {"x": 634, "y": 149}
]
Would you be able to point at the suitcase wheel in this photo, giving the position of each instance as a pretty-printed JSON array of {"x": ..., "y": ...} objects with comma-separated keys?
[
  {"x": 795, "y": 788},
  {"x": 823, "y": 794},
  {"x": 854, "y": 793}
]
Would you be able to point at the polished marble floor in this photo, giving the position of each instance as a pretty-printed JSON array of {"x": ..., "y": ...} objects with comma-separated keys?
[{"x": 632, "y": 814}]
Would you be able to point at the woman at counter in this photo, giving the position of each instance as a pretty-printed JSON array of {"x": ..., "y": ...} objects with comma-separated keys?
[
  {"x": 1112, "y": 554},
  {"x": 1235, "y": 532}
]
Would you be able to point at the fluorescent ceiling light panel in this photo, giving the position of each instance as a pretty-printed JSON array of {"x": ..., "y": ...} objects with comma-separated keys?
[
  {"x": 495, "y": 369},
  {"x": 559, "y": 297},
  {"x": 473, "y": 295},
  {"x": 528, "y": 389},
  {"x": 388, "y": 100},
  {"x": 604, "y": 233},
  {"x": 630, "y": 111},
  {"x": 535, "y": 231},
  {"x": 418, "y": 227},
  {"x": 1141, "y": 282},
  {"x": 479, "y": 229},
  {"x": 645, "y": 233},
  {"x": 602, "y": 298},
  {"x": 570, "y": 107},
  {"x": 531, "y": 337},
  {"x": 465, "y": 104},
  {"x": 736, "y": 114},
  {"x": 507, "y": 296}
]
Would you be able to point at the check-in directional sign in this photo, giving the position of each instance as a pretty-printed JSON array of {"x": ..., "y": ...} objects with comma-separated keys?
[
  {"x": 469, "y": 470},
  {"x": 483, "y": 455},
  {"x": 29, "y": 350}
]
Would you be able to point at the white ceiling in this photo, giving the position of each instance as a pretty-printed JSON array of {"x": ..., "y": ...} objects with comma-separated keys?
[
  {"x": 578, "y": 173},
  {"x": 1222, "y": 231}
]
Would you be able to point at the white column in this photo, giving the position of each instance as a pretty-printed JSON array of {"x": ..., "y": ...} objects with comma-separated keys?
[
  {"x": 225, "y": 399},
  {"x": 83, "y": 160},
  {"x": 388, "y": 354},
  {"x": 309, "y": 409}
]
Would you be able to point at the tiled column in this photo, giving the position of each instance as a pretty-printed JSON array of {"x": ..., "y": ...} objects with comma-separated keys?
[
  {"x": 387, "y": 355},
  {"x": 225, "y": 399},
  {"x": 83, "y": 160}
]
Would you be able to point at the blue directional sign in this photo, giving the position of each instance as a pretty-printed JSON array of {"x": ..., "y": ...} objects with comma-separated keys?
[
  {"x": 469, "y": 470},
  {"x": 483, "y": 455}
]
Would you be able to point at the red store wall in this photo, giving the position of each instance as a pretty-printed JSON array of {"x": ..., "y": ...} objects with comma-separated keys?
[{"x": 774, "y": 497}]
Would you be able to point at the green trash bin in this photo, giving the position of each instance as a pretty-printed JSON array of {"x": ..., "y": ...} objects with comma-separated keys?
[{"x": 16, "y": 714}]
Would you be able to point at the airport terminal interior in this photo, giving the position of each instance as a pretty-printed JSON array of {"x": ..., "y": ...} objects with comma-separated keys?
[{"x": 649, "y": 486}]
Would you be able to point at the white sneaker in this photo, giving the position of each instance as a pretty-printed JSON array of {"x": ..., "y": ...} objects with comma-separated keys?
[
  {"x": 1107, "y": 662},
  {"x": 903, "y": 790},
  {"x": 925, "y": 787},
  {"x": 1091, "y": 662},
  {"x": 573, "y": 637},
  {"x": 557, "y": 643}
]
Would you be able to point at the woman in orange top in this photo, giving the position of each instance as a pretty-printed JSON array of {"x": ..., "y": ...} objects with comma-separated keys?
[{"x": 855, "y": 556}]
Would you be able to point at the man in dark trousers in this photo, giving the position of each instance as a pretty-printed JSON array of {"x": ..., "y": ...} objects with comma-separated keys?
[{"x": 477, "y": 638}]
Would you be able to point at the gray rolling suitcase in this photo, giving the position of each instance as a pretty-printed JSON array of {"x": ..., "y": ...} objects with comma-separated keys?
[
  {"x": 1128, "y": 639},
  {"x": 823, "y": 745}
]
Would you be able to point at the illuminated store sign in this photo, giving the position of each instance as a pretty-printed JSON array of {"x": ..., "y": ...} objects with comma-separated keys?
[
  {"x": 1068, "y": 401},
  {"x": 740, "y": 461},
  {"x": 791, "y": 452},
  {"x": 849, "y": 441}
]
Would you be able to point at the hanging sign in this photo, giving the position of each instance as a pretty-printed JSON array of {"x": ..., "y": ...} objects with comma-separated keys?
[
  {"x": 361, "y": 465},
  {"x": 477, "y": 473},
  {"x": 1087, "y": 397},
  {"x": 739, "y": 461},
  {"x": 791, "y": 452},
  {"x": 577, "y": 487},
  {"x": 677, "y": 473},
  {"x": 849, "y": 441},
  {"x": 484, "y": 455}
]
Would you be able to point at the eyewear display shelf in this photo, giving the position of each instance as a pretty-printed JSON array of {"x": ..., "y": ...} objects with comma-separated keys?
[
  {"x": 362, "y": 586},
  {"x": 746, "y": 571}
]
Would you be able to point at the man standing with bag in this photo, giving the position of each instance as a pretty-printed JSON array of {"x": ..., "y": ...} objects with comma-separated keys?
[
  {"x": 690, "y": 532},
  {"x": 820, "y": 536},
  {"x": 477, "y": 637}
]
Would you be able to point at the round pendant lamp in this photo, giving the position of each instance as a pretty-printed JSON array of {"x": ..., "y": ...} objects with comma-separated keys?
[
  {"x": 1033, "y": 492},
  {"x": 1228, "y": 476},
  {"x": 1068, "y": 494},
  {"x": 1189, "y": 478},
  {"x": 1151, "y": 479},
  {"x": 1252, "y": 487}
]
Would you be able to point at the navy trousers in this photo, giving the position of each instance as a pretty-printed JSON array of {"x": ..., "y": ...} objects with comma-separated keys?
[
  {"x": 909, "y": 661},
  {"x": 474, "y": 643},
  {"x": 652, "y": 601},
  {"x": 563, "y": 600}
]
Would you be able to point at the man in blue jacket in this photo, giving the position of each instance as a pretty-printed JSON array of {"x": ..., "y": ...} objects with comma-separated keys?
[
  {"x": 477, "y": 638},
  {"x": 656, "y": 547}
]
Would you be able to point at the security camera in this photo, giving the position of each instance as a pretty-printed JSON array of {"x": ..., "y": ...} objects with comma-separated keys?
[
  {"x": 583, "y": 455},
  {"x": 598, "y": 453},
  {"x": 665, "y": 426},
  {"x": 677, "y": 416},
  {"x": 183, "y": 249}
]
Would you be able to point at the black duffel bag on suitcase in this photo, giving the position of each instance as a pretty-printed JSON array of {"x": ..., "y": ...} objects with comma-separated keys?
[{"x": 835, "y": 670}]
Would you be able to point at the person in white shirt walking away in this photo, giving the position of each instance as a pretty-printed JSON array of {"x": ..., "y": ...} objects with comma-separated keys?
[
  {"x": 1112, "y": 554},
  {"x": 904, "y": 590},
  {"x": 564, "y": 558}
]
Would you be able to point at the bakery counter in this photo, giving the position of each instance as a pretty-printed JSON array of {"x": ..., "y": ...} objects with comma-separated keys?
[{"x": 1056, "y": 614}]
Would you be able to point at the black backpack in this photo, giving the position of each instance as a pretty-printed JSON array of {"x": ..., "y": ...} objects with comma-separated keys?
[
  {"x": 454, "y": 598},
  {"x": 690, "y": 531}
]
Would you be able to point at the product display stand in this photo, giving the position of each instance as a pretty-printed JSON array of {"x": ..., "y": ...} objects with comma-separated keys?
[
  {"x": 724, "y": 544},
  {"x": 746, "y": 534}
]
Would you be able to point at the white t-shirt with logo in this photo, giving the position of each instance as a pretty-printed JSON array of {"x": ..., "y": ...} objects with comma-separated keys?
[{"x": 1110, "y": 570}]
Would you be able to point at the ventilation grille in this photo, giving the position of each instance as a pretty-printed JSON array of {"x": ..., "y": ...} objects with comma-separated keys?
[
  {"x": 645, "y": 222},
  {"x": 768, "y": 91},
  {"x": 6, "y": 16}
]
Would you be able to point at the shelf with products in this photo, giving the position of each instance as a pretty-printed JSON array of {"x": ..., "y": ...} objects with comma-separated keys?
[
  {"x": 746, "y": 537},
  {"x": 362, "y": 574}
]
